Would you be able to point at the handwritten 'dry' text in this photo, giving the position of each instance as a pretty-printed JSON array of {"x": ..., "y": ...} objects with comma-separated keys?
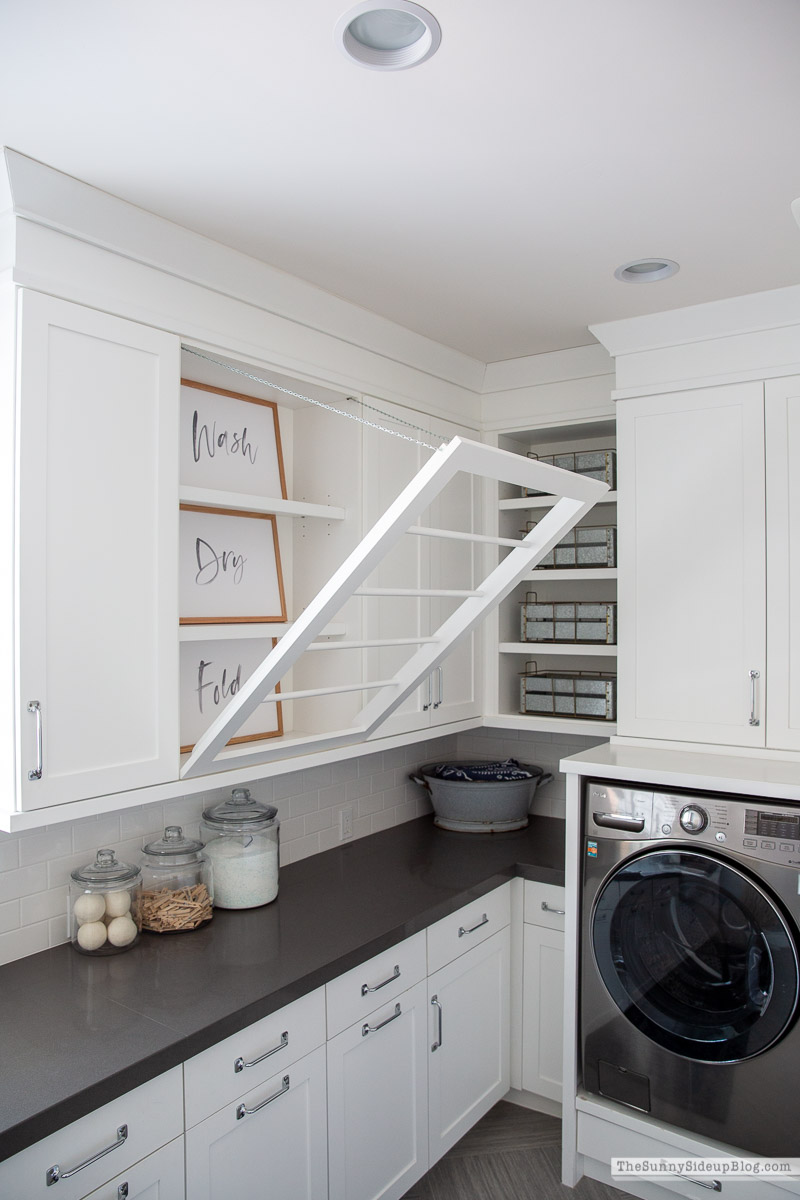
[{"x": 212, "y": 563}]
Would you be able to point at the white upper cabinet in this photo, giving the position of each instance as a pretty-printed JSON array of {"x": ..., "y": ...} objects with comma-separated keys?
[
  {"x": 692, "y": 640},
  {"x": 782, "y": 410},
  {"x": 97, "y": 494}
]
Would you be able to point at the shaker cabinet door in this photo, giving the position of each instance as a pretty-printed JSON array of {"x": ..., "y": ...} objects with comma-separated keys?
[
  {"x": 692, "y": 621},
  {"x": 782, "y": 405},
  {"x": 97, "y": 679}
]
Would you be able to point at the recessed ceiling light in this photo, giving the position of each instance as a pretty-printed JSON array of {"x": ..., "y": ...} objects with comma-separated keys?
[
  {"x": 389, "y": 35},
  {"x": 646, "y": 270}
]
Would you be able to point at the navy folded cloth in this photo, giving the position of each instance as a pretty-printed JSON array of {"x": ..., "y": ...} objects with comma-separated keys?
[{"x": 496, "y": 772}]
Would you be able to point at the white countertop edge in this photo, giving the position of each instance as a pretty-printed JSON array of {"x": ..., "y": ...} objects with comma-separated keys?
[{"x": 774, "y": 778}]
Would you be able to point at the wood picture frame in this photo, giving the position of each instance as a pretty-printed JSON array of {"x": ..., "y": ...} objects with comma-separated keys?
[
  {"x": 230, "y": 442},
  {"x": 211, "y": 673},
  {"x": 229, "y": 567}
]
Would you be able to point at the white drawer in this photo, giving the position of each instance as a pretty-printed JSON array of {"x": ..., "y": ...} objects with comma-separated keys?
[
  {"x": 544, "y": 904},
  {"x": 468, "y": 927},
  {"x": 601, "y": 1140},
  {"x": 244, "y": 1060},
  {"x": 359, "y": 992},
  {"x": 153, "y": 1115},
  {"x": 160, "y": 1176}
]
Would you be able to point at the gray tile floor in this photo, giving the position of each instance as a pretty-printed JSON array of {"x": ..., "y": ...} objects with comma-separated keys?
[{"x": 511, "y": 1154}]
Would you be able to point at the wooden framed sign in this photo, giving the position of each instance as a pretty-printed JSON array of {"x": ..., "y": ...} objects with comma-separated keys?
[
  {"x": 230, "y": 567},
  {"x": 211, "y": 673},
  {"x": 230, "y": 442}
]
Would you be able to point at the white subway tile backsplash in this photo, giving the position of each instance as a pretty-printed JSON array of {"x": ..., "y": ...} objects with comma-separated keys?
[
  {"x": 23, "y": 882},
  {"x": 333, "y": 795},
  {"x": 52, "y": 843},
  {"x": 9, "y": 916},
  {"x": 308, "y": 802},
  {"x": 9, "y": 852},
  {"x": 21, "y": 942},
  {"x": 94, "y": 833},
  {"x": 43, "y": 905},
  {"x": 356, "y": 788}
]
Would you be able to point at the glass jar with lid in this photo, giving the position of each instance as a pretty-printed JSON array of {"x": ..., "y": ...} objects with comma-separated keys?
[
  {"x": 177, "y": 891},
  {"x": 242, "y": 840},
  {"x": 104, "y": 905}
]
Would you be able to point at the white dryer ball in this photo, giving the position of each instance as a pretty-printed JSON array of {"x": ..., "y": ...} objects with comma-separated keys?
[
  {"x": 88, "y": 907},
  {"x": 122, "y": 931},
  {"x": 118, "y": 903},
  {"x": 92, "y": 935}
]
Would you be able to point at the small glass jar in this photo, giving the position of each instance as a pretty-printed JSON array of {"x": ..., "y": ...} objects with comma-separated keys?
[
  {"x": 104, "y": 906},
  {"x": 177, "y": 891},
  {"x": 242, "y": 840}
]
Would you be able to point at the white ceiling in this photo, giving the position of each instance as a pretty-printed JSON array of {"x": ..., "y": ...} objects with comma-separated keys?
[{"x": 484, "y": 198}]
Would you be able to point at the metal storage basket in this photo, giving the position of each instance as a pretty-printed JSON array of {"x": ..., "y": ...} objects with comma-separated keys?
[
  {"x": 593, "y": 464},
  {"x": 568, "y": 620},
  {"x": 583, "y": 546},
  {"x": 586, "y": 694}
]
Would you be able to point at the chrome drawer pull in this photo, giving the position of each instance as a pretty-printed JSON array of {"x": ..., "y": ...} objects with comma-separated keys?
[
  {"x": 557, "y": 912},
  {"x": 366, "y": 989},
  {"x": 55, "y": 1173},
  {"x": 35, "y": 707},
  {"x": 713, "y": 1186},
  {"x": 367, "y": 1028},
  {"x": 483, "y": 921},
  {"x": 435, "y": 1045},
  {"x": 122, "y": 1191},
  {"x": 240, "y": 1064},
  {"x": 243, "y": 1111}
]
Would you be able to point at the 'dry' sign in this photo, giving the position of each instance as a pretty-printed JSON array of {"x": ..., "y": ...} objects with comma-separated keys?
[{"x": 230, "y": 442}]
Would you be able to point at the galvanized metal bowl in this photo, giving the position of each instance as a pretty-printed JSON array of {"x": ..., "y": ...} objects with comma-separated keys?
[{"x": 480, "y": 806}]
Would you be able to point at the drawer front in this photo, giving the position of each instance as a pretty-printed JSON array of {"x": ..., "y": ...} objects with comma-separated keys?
[
  {"x": 468, "y": 927},
  {"x": 544, "y": 904},
  {"x": 599, "y": 1140},
  {"x": 157, "y": 1177},
  {"x": 246, "y": 1059},
  {"x": 359, "y": 992},
  {"x": 151, "y": 1114}
]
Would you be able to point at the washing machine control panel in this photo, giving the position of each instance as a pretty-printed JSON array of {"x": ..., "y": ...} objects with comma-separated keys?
[{"x": 765, "y": 830}]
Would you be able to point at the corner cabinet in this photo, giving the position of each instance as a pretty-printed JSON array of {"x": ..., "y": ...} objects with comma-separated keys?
[{"x": 97, "y": 538}]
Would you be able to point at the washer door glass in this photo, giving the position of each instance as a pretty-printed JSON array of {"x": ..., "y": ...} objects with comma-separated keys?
[{"x": 696, "y": 955}]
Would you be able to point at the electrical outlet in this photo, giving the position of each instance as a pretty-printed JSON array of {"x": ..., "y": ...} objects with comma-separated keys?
[{"x": 345, "y": 824}]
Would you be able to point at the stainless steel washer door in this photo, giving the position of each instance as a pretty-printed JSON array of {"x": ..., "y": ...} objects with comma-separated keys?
[{"x": 696, "y": 955}]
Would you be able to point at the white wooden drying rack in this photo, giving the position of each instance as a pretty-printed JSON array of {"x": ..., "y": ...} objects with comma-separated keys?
[{"x": 576, "y": 496}]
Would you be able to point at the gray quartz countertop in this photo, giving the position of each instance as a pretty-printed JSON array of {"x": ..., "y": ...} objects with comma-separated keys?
[{"x": 76, "y": 1032}]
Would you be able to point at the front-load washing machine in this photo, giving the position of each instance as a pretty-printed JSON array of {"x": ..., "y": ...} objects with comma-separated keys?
[{"x": 690, "y": 981}]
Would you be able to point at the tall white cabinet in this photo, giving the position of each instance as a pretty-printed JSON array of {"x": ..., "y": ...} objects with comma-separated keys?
[
  {"x": 97, "y": 654},
  {"x": 782, "y": 414}
]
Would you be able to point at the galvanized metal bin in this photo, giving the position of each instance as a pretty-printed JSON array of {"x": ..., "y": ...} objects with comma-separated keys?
[
  {"x": 478, "y": 806},
  {"x": 593, "y": 464},
  {"x": 568, "y": 620},
  {"x": 583, "y": 546},
  {"x": 584, "y": 694}
]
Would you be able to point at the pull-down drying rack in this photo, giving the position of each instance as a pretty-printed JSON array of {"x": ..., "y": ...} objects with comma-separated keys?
[{"x": 575, "y": 497}]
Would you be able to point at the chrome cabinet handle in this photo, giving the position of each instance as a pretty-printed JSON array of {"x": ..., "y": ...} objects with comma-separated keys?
[
  {"x": 435, "y": 1045},
  {"x": 713, "y": 1185},
  {"x": 557, "y": 912},
  {"x": 55, "y": 1173},
  {"x": 35, "y": 707},
  {"x": 240, "y": 1064},
  {"x": 754, "y": 720},
  {"x": 440, "y": 687},
  {"x": 366, "y": 989},
  {"x": 243, "y": 1111},
  {"x": 483, "y": 921},
  {"x": 367, "y": 1028},
  {"x": 425, "y": 707},
  {"x": 122, "y": 1191}
]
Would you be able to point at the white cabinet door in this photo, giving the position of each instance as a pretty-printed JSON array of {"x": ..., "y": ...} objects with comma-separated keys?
[
  {"x": 377, "y": 1102},
  {"x": 782, "y": 401},
  {"x": 271, "y": 1143},
  {"x": 543, "y": 1011},
  {"x": 97, "y": 521},
  {"x": 469, "y": 1061},
  {"x": 157, "y": 1177},
  {"x": 692, "y": 566}
]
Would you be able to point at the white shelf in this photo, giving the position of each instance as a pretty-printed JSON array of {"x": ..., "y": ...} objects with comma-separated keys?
[
  {"x": 545, "y": 574},
  {"x": 525, "y": 502},
  {"x": 261, "y": 629},
  {"x": 211, "y": 498},
  {"x": 577, "y": 727},
  {"x": 543, "y": 649}
]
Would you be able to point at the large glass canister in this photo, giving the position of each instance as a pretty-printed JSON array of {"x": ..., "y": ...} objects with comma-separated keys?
[
  {"x": 177, "y": 890},
  {"x": 104, "y": 905},
  {"x": 242, "y": 840}
]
